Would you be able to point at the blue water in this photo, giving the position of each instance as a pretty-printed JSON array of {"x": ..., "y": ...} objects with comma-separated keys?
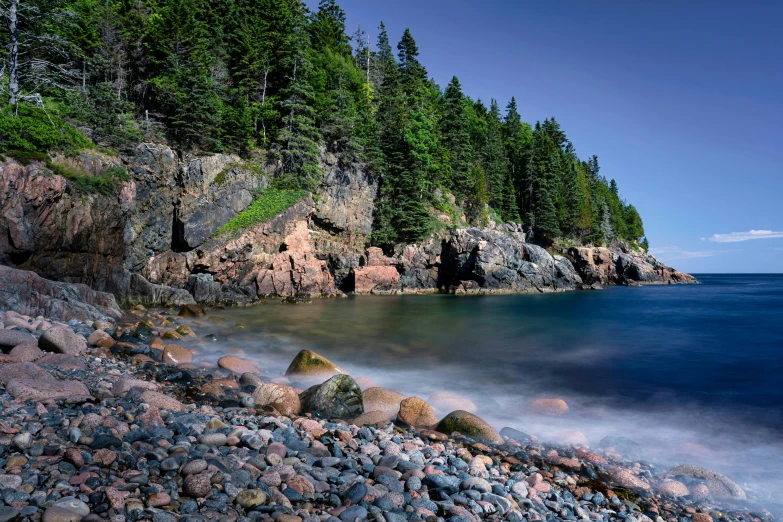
[{"x": 693, "y": 372}]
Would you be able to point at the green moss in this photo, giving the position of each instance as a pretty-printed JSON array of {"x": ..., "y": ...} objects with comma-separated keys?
[{"x": 268, "y": 204}]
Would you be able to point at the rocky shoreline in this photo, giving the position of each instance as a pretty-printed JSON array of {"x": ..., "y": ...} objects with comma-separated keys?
[
  {"x": 152, "y": 241},
  {"x": 106, "y": 420}
]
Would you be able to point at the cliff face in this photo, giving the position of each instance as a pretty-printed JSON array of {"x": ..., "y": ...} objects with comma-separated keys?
[{"x": 151, "y": 241}]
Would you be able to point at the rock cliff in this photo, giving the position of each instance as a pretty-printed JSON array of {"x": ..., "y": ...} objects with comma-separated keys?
[{"x": 152, "y": 240}]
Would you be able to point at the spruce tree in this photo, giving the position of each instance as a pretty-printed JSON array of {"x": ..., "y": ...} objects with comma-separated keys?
[
  {"x": 496, "y": 165},
  {"x": 456, "y": 138}
]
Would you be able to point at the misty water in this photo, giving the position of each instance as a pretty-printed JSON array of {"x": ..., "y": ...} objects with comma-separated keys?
[{"x": 693, "y": 373}]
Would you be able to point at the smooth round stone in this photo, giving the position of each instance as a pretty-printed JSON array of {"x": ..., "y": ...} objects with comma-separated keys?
[
  {"x": 22, "y": 441},
  {"x": 193, "y": 467},
  {"x": 171, "y": 464},
  {"x": 213, "y": 439},
  {"x": 251, "y": 498},
  {"x": 356, "y": 493},
  {"x": 196, "y": 486},
  {"x": 352, "y": 513},
  {"x": 74, "y": 504},
  {"x": 329, "y": 462},
  {"x": 8, "y": 514},
  {"x": 61, "y": 514},
  {"x": 413, "y": 484}
]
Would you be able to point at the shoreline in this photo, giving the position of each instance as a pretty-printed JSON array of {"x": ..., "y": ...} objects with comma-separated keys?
[{"x": 158, "y": 437}]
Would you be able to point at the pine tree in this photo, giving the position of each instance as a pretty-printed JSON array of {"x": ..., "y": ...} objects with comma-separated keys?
[
  {"x": 327, "y": 28},
  {"x": 299, "y": 136},
  {"x": 456, "y": 138},
  {"x": 412, "y": 72},
  {"x": 478, "y": 197},
  {"x": 499, "y": 178}
]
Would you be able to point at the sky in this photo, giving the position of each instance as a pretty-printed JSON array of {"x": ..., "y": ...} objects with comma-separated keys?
[{"x": 681, "y": 101}]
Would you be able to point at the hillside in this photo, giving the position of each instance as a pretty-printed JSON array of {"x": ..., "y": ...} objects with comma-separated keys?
[{"x": 273, "y": 83}]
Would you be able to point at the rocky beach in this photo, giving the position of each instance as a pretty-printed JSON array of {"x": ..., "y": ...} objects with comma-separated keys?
[{"x": 118, "y": 416}]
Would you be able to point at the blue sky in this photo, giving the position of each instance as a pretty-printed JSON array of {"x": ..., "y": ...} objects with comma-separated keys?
[{"x": 681, "y": 101}]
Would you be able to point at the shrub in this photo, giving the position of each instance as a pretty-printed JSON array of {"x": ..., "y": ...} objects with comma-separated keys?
[
  {"x": 25, "y": 157},
  {"x": 34, "y": 130},
  {"x": 104, "y": 183},
  {"x": 268, "y": 204}
]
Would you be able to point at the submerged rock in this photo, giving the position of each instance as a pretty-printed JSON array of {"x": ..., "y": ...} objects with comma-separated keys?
[
  {"x": 310, "y": 366},
  {"x": 283, "y": 399},
  {"x": 719, "y": 485}
]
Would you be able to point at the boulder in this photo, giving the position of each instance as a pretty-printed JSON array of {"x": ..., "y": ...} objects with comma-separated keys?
[
  {"x": 62, "y": 361},
  {"x": 23, "y": 370},
  {"x": 372, "y": 418},
  {"x": 12, "y": 338},
  {"x": 61, "y": 339},
  {"x": 175, "y": 354},
  {"x": 238, "y": 365},
  {"x": 416, "y": 413},
  {"x": 30, "y": 294},
  {"x": 470, "y": 425},
  {"x": 719, "y": 485},
  {"x": 282, "y": 398},
  {"x": 161, "y": 401},
  {"x": 337, "y": 398},
  {"x": 376, "y": 279},
  {"x": 308, "y": 366},
  {"x": 26, "y": 352},
  {"x": 49, "y": 389},
  {"x": 673, "y": 488},
  {"x": 101, "y": 339},
  {"x": 546, "y": 406},
  {"x": 383, "y": 399},
  {"x": 149, "y": 294}
]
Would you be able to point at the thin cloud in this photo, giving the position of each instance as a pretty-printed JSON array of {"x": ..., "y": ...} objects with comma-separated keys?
[
  {"x": 672, "y": 253},
  {"x": 734, "y": 237}
]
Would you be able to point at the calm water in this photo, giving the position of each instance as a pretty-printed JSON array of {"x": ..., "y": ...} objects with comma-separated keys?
[{"x": 695, "y": 372}]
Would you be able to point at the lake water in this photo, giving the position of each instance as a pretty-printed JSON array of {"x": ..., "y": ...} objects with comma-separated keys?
[{"x": 693, "y": 372}]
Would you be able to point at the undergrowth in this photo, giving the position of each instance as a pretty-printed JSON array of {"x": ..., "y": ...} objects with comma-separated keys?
[{"x": 268, "y": 203}]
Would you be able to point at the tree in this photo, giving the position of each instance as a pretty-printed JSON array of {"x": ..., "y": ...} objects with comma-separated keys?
[
  {"x": 478, "y": 196},
  {"x": 299, "y": 136},
  {"x": 502, "y": 190},
  {"x": 327, "y": 28},
  {"x": 456, "y": 138},
  {"x": 37, "y": 58}
]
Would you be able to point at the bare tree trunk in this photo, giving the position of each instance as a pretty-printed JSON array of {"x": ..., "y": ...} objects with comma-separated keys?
[{"x": 13, "y": 51}]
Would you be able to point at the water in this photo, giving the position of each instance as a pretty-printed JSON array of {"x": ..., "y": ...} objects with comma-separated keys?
[{"x": 693, "y": 372}]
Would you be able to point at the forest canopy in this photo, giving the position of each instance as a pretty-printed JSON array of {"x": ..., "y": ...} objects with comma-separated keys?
[{"x": 272, "y": 79}]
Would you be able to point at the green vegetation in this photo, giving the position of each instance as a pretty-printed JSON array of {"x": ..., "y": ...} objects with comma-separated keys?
[
  {"x": 272, "y": 79},
  {"x": 268, "y": 204},
  {"x": 105, "y": 183}
]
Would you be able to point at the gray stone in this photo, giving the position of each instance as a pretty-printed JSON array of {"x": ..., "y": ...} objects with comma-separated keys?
[
  {"x": 61, "y": 339},
  {"x": 338, "y": 397}
]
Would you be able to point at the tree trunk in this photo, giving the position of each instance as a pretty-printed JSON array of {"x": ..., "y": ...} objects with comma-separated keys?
[{"x": 13, "y": 52}]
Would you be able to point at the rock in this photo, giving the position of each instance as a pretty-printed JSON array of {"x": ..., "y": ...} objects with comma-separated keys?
[
  {"x": 549, "y": 406},
  {"x": 445, "y": 402},
  {"x": 238, "y": 365},
  {"x": 625, "y": 447},
  {"x": 196, "y": 486},
  {"x": 519, "y": 436},
  {"x": 61, "y": 339},
  {"x": 625, "y": 478},
  {"x": 61, "y": 361},
  {"x": 23, "y": 370},
  {"x": 701, "y": 517},
  {"x": 41, "y": 390},
  {"x": 282, "y": 398},
  {"x": 9, "y": 514},
  {"x": 175, "y": 354},
  {"x": 337, "y": 398},
  {"x": 700, "y": 492},
  {"x": 193, "y": 467},
  {"x": 159, "y": 500},
  {"x": 12, "y": 338},
  {"x": 10, "y": 481},
  {"x": 26, "y": 353},
  {"x": 101, "y": 339},
  {"x": 309, "y": 366},
  {"x": 161, "y": 401},
  {"x": 22, "y": 441},
  {"x": 376, "y": 279},
  {"x": 213, "y": 439},
  {"x": 124, "y": 385},
  {"x": 251, "y": 498},
  {"x": 149, "y": 294},
  {"x": 719, "y": 485},
  {"x": 371, "y": 418},
  {"x": 383, "y": 399},
  {"x": 30, "y": 294},
  {"x": 673, "y": 488},
  {"x": 60, "y": 514},
  {"x": 417, "y": 413},
  {"x": 470, "y": 425},
  {"x": 73, "y": 504}
]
